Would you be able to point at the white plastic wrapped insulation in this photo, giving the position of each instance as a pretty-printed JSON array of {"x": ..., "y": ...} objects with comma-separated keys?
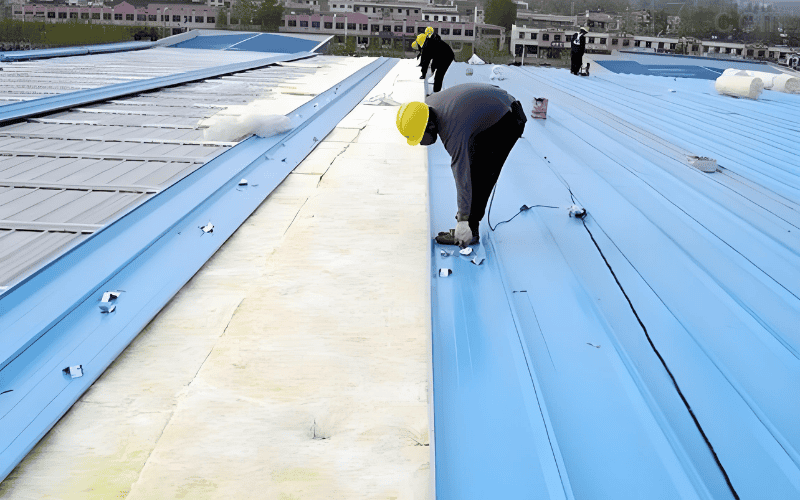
[
  {"x": 497, "y": 73},
  {"x": 235, "y": 123},
  {"x": 475, "y": 60},
  {"x": 780, "y": 82},
  {"x": 739, "y": 86}
]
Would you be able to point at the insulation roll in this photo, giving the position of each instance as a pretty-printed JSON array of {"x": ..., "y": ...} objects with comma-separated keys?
[
  {"x": 739, "y": 86},
  {"x": 787, "y": 83}
]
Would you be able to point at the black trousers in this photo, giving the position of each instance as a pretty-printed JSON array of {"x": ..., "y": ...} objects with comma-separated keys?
[
  {"x": 438, "y": 77},
  {"x": 488, "y": 154},
  {"x": 577, "y": 62}
]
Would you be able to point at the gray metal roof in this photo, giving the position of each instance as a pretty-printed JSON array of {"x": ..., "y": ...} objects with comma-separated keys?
[{"x": 65, "y": 175}]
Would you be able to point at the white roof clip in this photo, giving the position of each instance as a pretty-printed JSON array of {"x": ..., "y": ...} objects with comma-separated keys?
[
  {"x": 444, "y": 272},
  {"x": 208, "y": 228},
  {"x": 74, "y": 371}
]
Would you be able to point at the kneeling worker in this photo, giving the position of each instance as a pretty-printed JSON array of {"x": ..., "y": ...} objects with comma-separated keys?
[
  {"x": 479, "y": 124},
  {"x": 437, "y": 49}
]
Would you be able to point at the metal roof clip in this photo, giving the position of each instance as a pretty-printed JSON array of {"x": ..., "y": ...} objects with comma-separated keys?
[
  {"x": 208, "y": 228},
  {"x": 74, "y": 371},
  {"x": 243, "y": 182},
  {"x": 465, "y": 251},
  {"x": 106, "y": 302},
  {"x": 445, "y": 253},
  {"x": 444, "y": 272},
  {"x": 477, "y": 260}
]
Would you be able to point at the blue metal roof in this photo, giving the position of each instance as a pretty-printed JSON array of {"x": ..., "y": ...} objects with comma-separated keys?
[
  {"x": 254, "y": 42},
  {"x": 650, "y": 350}
]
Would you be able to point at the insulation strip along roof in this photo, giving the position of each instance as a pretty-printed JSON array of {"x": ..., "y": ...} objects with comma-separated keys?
[{"x": 65, "y": 175}]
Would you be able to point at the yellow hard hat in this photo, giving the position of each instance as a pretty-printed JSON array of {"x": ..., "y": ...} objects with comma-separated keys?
[
  {"x": 421, "y": 39},
  {"x": 428, "y": 31},
  {"x": 412, "y": 118},
  {"x": 414, "y": 45}
]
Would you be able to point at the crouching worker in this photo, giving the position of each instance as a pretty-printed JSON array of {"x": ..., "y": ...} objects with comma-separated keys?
[{"x": 479, "y": 124}]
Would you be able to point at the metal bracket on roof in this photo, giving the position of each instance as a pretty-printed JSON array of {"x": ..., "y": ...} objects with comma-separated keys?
[
  {"x": 74, "y": 371},
  {"x": 703, "y": 163}
]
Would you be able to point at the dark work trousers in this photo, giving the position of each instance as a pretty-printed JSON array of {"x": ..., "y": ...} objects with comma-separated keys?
[
  {"x": 577, "y": 62},
  {"x": 438, "y": 77},
  {"x": 489, "y": 151}
]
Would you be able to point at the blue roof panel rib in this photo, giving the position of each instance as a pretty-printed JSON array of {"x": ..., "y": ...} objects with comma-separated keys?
[
  {"x": 27, "y": 55},
  {"x": 660, "y": 332}
]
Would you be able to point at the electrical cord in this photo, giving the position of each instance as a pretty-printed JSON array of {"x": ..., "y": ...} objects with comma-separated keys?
[{"x": 523, "y": 208}]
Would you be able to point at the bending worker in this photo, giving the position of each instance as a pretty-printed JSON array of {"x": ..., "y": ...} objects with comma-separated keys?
[
  {"x": 433, "y": 47},
  {"x": 578, "y": 48},
  {"x": 479, "y": 124}
]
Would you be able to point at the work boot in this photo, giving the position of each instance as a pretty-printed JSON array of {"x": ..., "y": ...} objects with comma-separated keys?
[{"x": 449, "y": 238}]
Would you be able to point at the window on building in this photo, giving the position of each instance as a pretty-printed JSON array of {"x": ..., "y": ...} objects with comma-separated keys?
[
  {"x": 398, "y": 28},
  {"x": 672, "y": 46},
  {"x": 436, "y": 30},
  {"x": 315, "y": 24},
  {"x": 118, "y": 17},
  {"x": 660, "y": 45},
  {"x": 530, "y": 49},
  {"x": 355, "y": 9},
  {"x": 534, "y": 36},
  {"x": 95, "y": 15},
  {"x": 445, "y": 31},
  {"x": 211, "y": 19},
  {"x": 456, "y": 31},
  {"x": 386, "y": 28},
  {"x": 435, "y": 18},
  {"x": 62, "y": 15},
  {"x": 339, "y": 26},
  {"x": 772, "y": 55},
  {"x": 556, "y": 38},
  {"x": 518, "y": 50},
  {"x": 328, "y": 26},
  {"x": 695, "y": 48},
  {"x": 151, "y": 17},
  {"x": 291, "y": 23},
  {"x": 626, "y": 43},
  {"x": 590, "y": 40},
  {"x": 334, "y": 6},
  {"x": 455, "y": 45},
  {"x": 420, "y": 29},
  {"x": 375, "y": 28},
  {"x": 637, "y": 43},
  {"x": 749, "y": 52},
  {"x": 614, "y": 41},
  {"x": 304, "y": 24},
  {"x": 469, "y": 33},
  {"x": 51, "y": 15},
  {"x": 602, "y": 41},
  {"x": 73, "y": 15},
  {"x": 453, "y": 19},
  {"x": 760, "y": 53},
  {"x": 648, "y": 45},
  {"x": 416, "y": 11},
  {"x": 362, "y": 27},
  {"x": 84, "y": 15},
  {"x": 522, "y": 35},
  {"x": 410, "y": 29},
  {"x": 545, "y": 37},
  {"x": 427, "y": 17},
  {"x": 141, "y": 17},
  {"x": 373, "y": 10},
  {"x": 107, "y": 16},
  {"x": 176, "y": 19}
]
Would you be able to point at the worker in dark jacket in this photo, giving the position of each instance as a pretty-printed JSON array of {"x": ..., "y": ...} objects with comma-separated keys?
[
  {"x": 439, "y": 51},
  {"x": 479, "y": 124},
  {"x": 578, "y": 49}
]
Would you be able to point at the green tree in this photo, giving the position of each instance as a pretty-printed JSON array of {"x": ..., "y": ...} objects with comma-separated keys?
[
  {"x": 268, "y": 15},
  {"x": 501, "y": 13},
  {"x": 243, "y": 11},
  {"x": 222, "y": 18}
]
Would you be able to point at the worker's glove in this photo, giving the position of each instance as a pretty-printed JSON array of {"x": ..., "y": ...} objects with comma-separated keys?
[{"x": 463, "y": 233}]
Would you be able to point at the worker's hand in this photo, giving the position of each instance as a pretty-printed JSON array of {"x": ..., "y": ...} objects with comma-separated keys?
[{"x": 463, "y": 233}]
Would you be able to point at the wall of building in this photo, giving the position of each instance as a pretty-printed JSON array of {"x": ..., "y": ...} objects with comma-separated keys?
[{"x": 156, "y": 15}]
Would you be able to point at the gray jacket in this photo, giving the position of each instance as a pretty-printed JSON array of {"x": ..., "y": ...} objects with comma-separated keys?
[{"x": 462, "y": 112}]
